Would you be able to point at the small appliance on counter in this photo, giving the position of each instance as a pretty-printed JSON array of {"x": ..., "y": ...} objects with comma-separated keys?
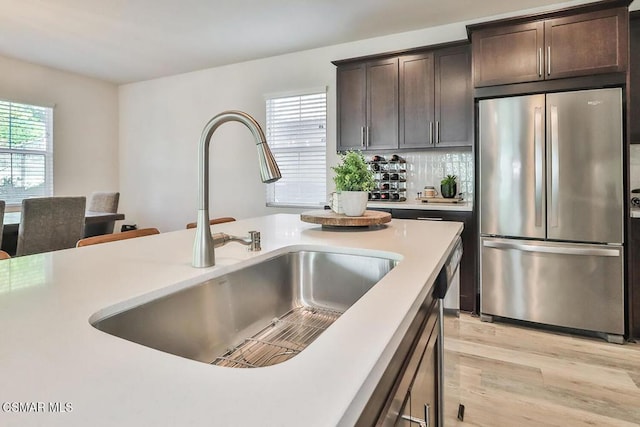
[{"x": 635, "y": 198}]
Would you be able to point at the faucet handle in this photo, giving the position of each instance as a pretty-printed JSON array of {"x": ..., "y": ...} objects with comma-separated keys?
[{"x": 255, "y": 241}]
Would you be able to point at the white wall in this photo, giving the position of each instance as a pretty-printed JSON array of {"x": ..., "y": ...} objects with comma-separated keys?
[
  {"x": 161, "y": 121},
  {"x": 85, "y": 123}
]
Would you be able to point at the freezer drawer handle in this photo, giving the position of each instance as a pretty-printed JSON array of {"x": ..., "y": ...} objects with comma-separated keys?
[{"x": 553, "y": 249}]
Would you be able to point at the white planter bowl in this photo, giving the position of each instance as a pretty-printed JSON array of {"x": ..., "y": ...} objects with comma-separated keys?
[{"x": 354, "y": 203}]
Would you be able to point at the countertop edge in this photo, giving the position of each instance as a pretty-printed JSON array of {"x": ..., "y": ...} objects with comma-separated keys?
[{"x": 147, "y": 383}]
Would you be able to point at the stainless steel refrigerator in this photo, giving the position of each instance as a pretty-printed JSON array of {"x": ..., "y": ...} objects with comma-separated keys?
[{"x": 551, "y": 209}]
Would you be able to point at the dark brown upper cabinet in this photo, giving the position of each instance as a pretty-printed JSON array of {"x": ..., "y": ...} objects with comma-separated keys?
[
  {"x": 578, "y": 44},
  {"x": 453, "y": 97},
  {"x": 634, "y": 80},
  {"x": 435, "y": 99},
  {"x": 368, "y": 105},
  {"x": 351, "y": 110},
  {"x": 417, "y": 101},
  {"x": 509, "y": 54},
  {"x": 412, "y": 100}
]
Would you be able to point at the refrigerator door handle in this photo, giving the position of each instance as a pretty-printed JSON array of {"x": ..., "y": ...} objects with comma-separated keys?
[
  {"x": 538, "y": 142},
  {"x": 555, "y": 166},
  {"x": 563, "y": 250}
]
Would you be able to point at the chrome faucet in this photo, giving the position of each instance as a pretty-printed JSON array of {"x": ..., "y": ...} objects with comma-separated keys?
[{"x": 203, "y": 247}]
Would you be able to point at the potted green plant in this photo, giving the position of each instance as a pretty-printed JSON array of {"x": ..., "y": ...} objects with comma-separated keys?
[
  {"x": 353, "y": 182},
  {"x": 449, "y": 187}
]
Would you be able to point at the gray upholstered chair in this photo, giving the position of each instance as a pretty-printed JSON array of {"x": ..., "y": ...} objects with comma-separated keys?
[
  {"x": 50, "y": 224},
  {"x": 1, "y": 220},
  {"x": 102, "y": 201}
]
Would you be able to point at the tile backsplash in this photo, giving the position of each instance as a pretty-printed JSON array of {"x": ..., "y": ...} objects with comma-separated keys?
[
  {"x": 429, "y": 167},
  {"x": 634, "y": 170}
]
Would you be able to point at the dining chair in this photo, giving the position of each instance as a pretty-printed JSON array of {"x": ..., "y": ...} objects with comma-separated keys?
[
  {"x": 101, "y": 201},
  {"x": 213, "y": 221},
  {"x": 94, "y": 240},
  {"x": 4, "y": 255},
  {"x": 50, "y": 224},
  {"x": 2, "y": 204}
]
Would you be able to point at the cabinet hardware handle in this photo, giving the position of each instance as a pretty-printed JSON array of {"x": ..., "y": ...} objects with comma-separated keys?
[
  {"x": 540, "y": 62},
  {"x": 430, "y": 133},
  {"x": 429, "y": 219},
  {"x": 548, "y": 60},
  {"x": 427, "y": 408},
  {"x": 362, "y": 135},
  {"x": 416, "y": 420},
  {"x": 437, "y": 131},
  {"x": 368, "y": 141}
]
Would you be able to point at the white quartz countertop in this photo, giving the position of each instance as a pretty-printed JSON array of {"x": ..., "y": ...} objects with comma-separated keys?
[
  {"x": 50, "y": 354},
  {"x": 414, "y": 204}
]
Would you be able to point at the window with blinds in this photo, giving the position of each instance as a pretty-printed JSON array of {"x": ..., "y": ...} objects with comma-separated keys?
[
  {"x": 297, "y": 135},
  {"x": 26, "y": 152}
]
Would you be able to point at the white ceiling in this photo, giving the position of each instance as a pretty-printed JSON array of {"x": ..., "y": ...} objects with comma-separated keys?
[{"x": 132, "y": 40}]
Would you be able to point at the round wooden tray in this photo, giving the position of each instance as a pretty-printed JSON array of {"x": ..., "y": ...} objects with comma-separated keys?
[{"x": 330, "y": 218}]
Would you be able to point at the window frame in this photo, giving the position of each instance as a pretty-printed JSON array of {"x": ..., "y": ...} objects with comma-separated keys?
[
  {"x": 271, "y": 189},
  {"x": 13, "y": 205}
]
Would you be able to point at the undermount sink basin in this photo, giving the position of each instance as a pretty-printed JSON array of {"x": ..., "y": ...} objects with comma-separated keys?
[{"x": 256, "y": 316}]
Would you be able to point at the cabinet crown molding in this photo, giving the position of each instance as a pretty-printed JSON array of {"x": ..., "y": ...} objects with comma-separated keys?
[
  {"x": 401, "y": 52},
  {"x": 574, "y": 10}
]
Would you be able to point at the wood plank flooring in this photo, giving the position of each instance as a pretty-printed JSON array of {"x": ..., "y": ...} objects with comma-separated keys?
[{"x": 510, "y": 375}]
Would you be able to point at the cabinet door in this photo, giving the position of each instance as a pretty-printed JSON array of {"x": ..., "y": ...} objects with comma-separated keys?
[
  {"x": 511, "y": 54},
  {"x": 382, "y": 104},
  {"x": 351, "y": 94},
  {"x": 453, "y": 98},
  {"x": 417, "y": 101},
  {"x": 586, "y": 44},
  {"x": 422, "y": 402},
  {"x": 634, "y": 79},
  {"x": 634, "y": 278}
]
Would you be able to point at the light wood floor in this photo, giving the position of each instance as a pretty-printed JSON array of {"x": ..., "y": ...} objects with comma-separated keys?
[{"x": 513, "y": 376}]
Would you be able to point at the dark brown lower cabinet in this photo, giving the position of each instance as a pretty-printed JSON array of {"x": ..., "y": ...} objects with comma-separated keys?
[
  {"x": 421, "y": 402},
  {"x": 634, "y": 278},
  {"x": 469, "y": 294}
]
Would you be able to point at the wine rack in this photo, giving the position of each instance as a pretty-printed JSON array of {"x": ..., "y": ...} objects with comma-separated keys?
[{"x": 390, "y": 179}]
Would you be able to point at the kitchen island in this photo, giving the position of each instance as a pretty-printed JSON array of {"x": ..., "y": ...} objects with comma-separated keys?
[{"x": 57, "y": 369}]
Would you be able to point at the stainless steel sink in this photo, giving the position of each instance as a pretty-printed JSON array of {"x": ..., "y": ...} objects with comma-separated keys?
[{"x": 256, "y": 316}]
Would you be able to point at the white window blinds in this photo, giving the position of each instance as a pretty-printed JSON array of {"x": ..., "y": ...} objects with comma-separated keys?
[
  {"x": 26, "y": 152},
  {"x": 297, "y": 135}
]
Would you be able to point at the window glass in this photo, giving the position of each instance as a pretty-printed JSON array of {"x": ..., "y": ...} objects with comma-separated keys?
[
  {"x": 297, "y": 135},
  {"x": 26, "y": 152}
]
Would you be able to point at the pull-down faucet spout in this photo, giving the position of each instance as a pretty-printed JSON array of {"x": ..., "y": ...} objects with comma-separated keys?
[{"x": 203, "y": 248}]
